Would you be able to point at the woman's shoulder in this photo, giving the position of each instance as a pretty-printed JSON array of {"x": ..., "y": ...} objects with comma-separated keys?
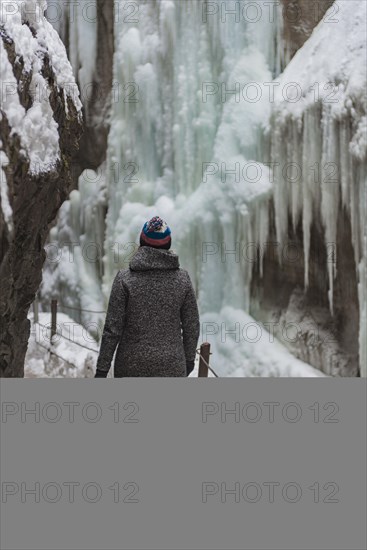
[
  {"x": 122, "y": 275},
  {"x": 185, "y": 275}
]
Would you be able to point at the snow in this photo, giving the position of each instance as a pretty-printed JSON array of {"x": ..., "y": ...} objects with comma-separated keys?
[
  {"x": 14, "y": 16},
  {"x": 343, "y": 44},
  {"x": 36, "y": 127},
  {"x": 4, "y": 193},
  {"x": 242, "y": 347},
  {"x": 68, "y": 358},
  {"x": 68, "y": 355}
]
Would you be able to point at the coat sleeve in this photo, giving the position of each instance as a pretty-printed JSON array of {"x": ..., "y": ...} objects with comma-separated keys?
[
  {"x": 190, "y": 322},
  {"x": 114, "y": 324}
]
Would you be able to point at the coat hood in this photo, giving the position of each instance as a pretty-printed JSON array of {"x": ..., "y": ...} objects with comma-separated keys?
[{"x": 147, "y": 257}]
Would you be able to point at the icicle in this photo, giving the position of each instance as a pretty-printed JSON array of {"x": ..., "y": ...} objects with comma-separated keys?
[{"x": 330, "y": 194}]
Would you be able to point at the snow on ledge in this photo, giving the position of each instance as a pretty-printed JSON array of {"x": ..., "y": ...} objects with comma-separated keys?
[
  {"x": 331, "y": 65},
  {"x": 14, "y": 16},
  {"x": 36, "y": 127}
]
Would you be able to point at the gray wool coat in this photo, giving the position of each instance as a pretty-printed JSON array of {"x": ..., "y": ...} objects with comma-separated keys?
[{"x": 152, "y": 317}]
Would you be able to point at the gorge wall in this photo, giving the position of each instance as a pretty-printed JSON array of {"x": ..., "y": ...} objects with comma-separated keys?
[
  {"x": 320, "y": 204},
  {"x": 40, "y": 127}
]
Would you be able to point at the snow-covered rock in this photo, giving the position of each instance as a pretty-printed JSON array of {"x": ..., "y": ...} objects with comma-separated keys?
[
  {"x": 40, "y": 126},
  {"x": 87, "y": 29},
  {"x": 320, "y": 129}
]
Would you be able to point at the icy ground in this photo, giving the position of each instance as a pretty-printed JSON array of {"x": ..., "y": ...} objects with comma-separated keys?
[{"x": 247, "y": 351}]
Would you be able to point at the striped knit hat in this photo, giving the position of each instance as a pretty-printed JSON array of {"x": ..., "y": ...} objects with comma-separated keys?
[{"x": 156, "y": 233}]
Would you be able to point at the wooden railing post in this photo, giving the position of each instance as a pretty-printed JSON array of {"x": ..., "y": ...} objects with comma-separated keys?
[
  {"x": 204, "y": 355},
  {"x": 53, "y": 317}
]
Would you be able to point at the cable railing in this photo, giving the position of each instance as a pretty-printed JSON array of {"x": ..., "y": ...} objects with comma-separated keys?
[
  {"x": 82, "y": 310},
  {"x": 53, "y": 352},
  {"x": 69, "y": 339},
  {"x": 203, "y": 352}
]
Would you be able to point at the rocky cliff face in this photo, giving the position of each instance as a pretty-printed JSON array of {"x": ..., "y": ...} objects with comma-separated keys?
[
  {"x": 40, "y": 127},
  {"x": 299, "y": 18},
  {"x": 301, "y": 318},
  {"x": 315, "y": 268}
]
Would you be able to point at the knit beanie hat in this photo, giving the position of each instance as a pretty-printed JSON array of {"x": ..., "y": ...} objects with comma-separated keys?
[{"x": 156, "y": 233}]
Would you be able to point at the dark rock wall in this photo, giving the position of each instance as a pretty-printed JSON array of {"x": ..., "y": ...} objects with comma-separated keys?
[
  {"x": 35, "y": 200},
  {"x": 301, "y": 318},
  {"x": 300, "y": 17}
]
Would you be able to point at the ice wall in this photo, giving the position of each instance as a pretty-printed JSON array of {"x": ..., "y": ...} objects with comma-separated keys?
[
  {"x": 183, "y": 149},
  {"x": 184, "y": 145},
  {"x": 322, "y": 132},
  {"x": 74, "y": 254}
]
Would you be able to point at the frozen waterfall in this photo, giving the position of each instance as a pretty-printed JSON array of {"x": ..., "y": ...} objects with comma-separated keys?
[{"x": 194, "y": 103}]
